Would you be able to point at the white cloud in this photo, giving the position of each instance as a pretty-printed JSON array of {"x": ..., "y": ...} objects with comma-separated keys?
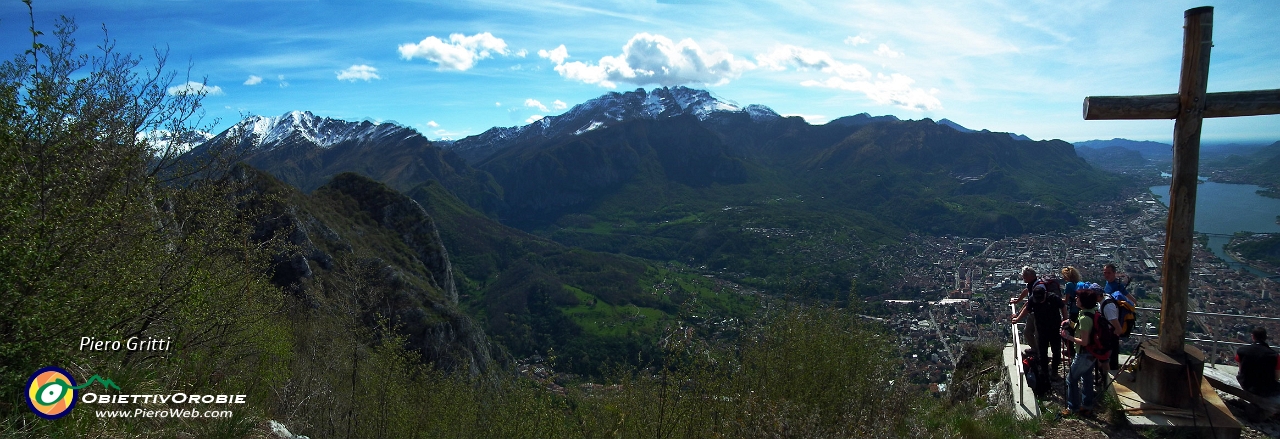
[
  {"x": 280, "y": 78},
  {"x": 885, "y": 51},
  {"x": 497, "y": 104},
  {"x": 655, "y": 59},
  {"x": 192, "y": 87},
  {"x": 534, "y": 118},
  {"x": 532, "y": 103},
  {"x": 559, "y": 105},
  {"x": 253, "y": 80},
  {"x": 893, "y": 89},
  {"x": 460, "y": 53},
  {"x": 359, "y": 72},
  {"x": 433, "y": 124},
  {"x": 522, "y": 53},
  {"x": 557, "y": 55},
  {"x": 854, "y": 41},
  {"x": 808, "y": 59}
]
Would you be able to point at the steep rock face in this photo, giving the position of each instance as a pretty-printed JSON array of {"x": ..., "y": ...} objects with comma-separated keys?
[
  {"x": 407, "y": 219},
  {"x": 357, "y": 241}
]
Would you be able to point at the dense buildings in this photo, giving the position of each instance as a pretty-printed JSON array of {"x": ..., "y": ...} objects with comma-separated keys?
[{"x": 1128, "y": 233}]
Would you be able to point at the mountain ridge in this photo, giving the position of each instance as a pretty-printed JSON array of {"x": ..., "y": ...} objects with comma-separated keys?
[{"x": 604, "y": 111}]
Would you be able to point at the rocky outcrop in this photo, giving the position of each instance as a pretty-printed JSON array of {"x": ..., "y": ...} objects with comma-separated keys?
[
  {"x": 358, "y": 237},
  {"x": 407, "y": 219}
]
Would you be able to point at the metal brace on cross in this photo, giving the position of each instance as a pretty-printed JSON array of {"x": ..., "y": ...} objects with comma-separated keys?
[{"x": 1189, "y": 107}]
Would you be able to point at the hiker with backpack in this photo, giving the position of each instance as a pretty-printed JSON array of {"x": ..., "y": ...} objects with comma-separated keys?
[
  {"x": 1119, "y": 308},
  {"x": 1028, "y": 276},
  {"x": 1028, "y": 331},
  {"x": 1048, "y": 312},
  {"x": 1089, "y": 331},
  {"x": 1117, "y": 284}
]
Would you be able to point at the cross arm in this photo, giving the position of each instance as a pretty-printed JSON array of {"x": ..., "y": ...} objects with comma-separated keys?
[{"x": 1223, "y": 104}]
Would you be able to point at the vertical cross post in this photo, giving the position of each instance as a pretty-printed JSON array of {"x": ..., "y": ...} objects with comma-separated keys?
[
  {"x": 1197, "y": 40},
  {"x": 1170, "y": 370}
]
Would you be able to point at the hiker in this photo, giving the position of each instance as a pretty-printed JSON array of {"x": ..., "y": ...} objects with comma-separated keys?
[
  {"x": 1117, "y": 284},
  {"x": 1259, "y": 366},
  {"x": 1111, "y": 311},
  {"x": 1080, "y": 377},
  {"x": 1028, "y": 276},
  {"x": 1071, "y": 277},
  {"x": 1028, "y": 331},
  {"x": 1118, "y": 307},
  {"x": 1048, "y": 312}
]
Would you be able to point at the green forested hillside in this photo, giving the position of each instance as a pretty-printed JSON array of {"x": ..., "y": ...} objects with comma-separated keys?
[{"x": 538, "y": 296}]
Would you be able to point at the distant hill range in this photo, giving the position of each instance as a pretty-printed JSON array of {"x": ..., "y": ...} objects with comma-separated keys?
[
  {"x": 555, "y": 234},
  {"x": 1124, "y": 153},
  {"x": 958, "y": 127}
]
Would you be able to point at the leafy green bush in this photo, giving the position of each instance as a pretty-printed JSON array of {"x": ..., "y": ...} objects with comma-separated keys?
[{"x": 104, "y": 234}]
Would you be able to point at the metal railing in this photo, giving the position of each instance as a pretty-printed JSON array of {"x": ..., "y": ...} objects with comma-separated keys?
[
  {"x": 1214, "y": 341},
  {"x": 1017, "y": 355}
]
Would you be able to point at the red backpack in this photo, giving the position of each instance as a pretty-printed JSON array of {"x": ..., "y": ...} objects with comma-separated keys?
[{"x": 1100, "y": 337}]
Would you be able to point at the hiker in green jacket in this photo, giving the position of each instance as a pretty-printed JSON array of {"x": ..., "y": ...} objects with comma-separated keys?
[{"x": 1081, "y": 373}]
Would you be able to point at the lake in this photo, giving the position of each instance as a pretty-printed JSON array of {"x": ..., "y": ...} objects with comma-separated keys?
[{"x": 1224, "y": 209}]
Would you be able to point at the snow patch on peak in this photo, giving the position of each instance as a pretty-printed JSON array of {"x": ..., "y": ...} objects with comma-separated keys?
[
  {"x": 760, "y": 113},
  {"x": 699, "y": 103},
  {"x": 320, "y": 131},
  {"x": 654, "y": 105},
  {"x": 593, "y": 126}
]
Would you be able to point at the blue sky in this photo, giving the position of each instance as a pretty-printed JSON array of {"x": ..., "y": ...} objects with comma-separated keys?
[{"x": 456, "y": 68}]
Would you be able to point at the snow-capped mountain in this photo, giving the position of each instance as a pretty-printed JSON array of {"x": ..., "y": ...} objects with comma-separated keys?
[
  {"x": 606, "y": 111},
  {"x": 307, "y": 151},
  {"x": 259, "y": 133}
]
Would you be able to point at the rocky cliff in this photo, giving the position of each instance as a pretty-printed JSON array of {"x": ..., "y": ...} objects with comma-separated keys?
[{"x": 355, "y": 241}]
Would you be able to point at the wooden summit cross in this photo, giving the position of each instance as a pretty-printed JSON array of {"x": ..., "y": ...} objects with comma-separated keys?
[{"x": 1188, "y": 107}]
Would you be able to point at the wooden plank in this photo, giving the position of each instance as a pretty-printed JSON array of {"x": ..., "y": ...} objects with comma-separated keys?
[
  {"x": 1242, "y": 103},
  {"x": 1227, "y": 383},
  {"x": 1221, "y": 104},
  {"x": 1131, "y": 107},
  {"x": 1210, "y": 419},
  {"x": 1196, "y": 45}
]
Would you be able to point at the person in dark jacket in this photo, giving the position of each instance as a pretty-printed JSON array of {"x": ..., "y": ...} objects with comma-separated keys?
[
  {"x": 1048, "y": 312},
  {"x": 1259, "y": 366}
]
